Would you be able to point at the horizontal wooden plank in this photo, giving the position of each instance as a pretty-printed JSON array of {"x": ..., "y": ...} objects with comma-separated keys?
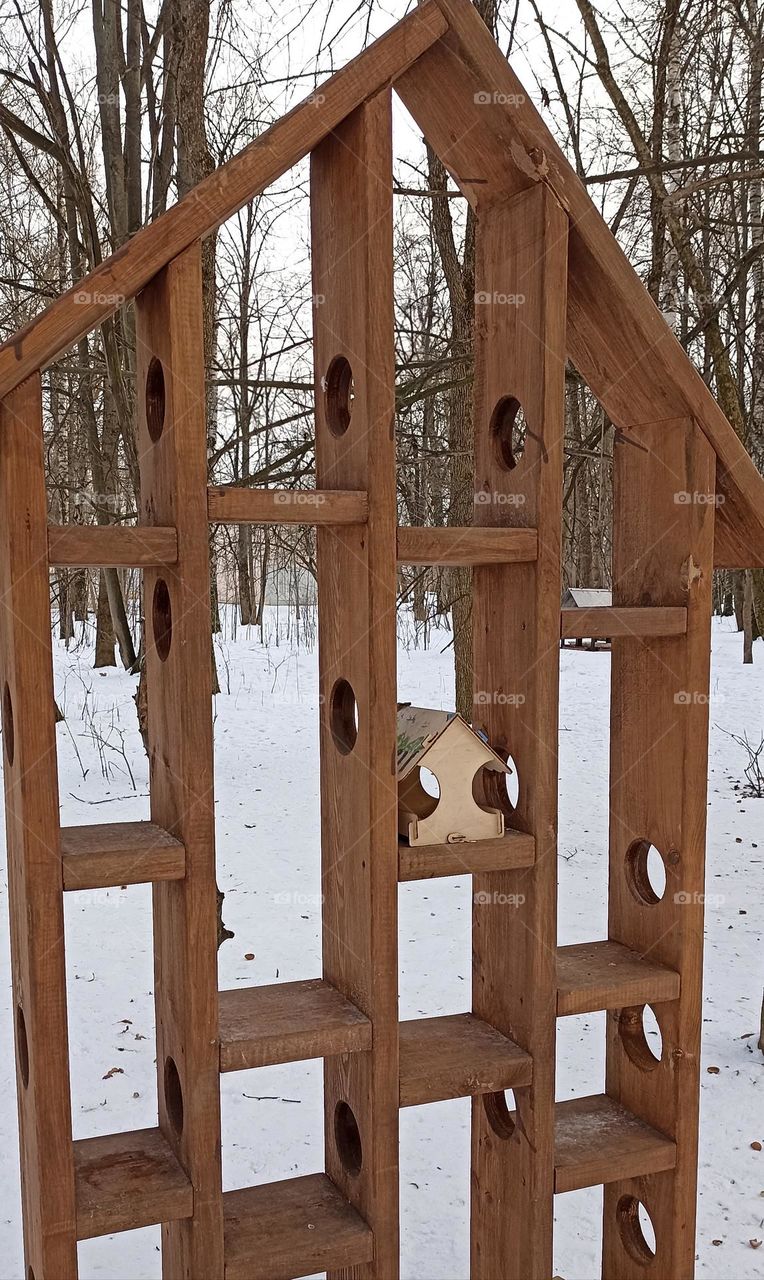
[
  {"x": 598, "y": 1141},
  {"x": 456, "y": 1057},
  {"x": 232, "y": 504},
  {"x": 293, "y": 1228},
  {"x": 426, "y": 862},
  {"x": 288, "y": 1022},
  {"x": 128, "y": 1180},
  {"x": 106, "y": 546},
  {"x": 607, "y": 975},
  {"x": 606, "y": 623},
  {"x": 102, "y": 855},
  {"x": 465, "y": 546}
]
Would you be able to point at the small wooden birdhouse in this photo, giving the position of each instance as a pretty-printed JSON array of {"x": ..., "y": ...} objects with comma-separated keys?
[{"x": 443, "y": 743}]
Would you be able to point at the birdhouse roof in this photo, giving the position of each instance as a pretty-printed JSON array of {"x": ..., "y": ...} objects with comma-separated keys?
[{"x": 419, "y": 728}]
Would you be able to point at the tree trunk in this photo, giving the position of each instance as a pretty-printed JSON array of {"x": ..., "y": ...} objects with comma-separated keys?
[{"x": 105, "y": 640}]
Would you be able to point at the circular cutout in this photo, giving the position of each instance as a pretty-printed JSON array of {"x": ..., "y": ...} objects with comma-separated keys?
[
  {"x": 508, "y": 431},
  {"x": 338, "y": 395},
  {"x": 429, "y": 783},
  {"x": 348, "y": 1139},
  {"x": 9, "y": 737},
  {"x": 22, "y": 1045},
  {"x": 636, "y": 1229},
  {"x": 343, "y": 713},
  {"x": 645, "y": 872},
  {"x": 498, "y": 790},
  {"x": 173, "y": 1095},
  {"x": 155, "y": 398},
  {"x": 641, "y": 1037},
  {"x": 499, "y": 1115},
  {"x": 161, "y": 618}
]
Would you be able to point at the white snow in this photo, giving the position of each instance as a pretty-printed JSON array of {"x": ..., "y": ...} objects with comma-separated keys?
[{"x": 267, "y": 813}]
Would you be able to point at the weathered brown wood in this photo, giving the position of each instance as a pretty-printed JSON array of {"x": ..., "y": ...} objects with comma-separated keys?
[
  {"x": 604, "y": 623},
  {"x": 231, "y": 504},
  {"x": 457, "y": 1056},
  {"x": 351, "y": 227},
  {"x": 662, "y": 552},
  {"x": 607, "y": 975},
  {"x": 293, "y": 1228},
  {"x": 172, "y": 448},
  {"x": 216, "y": 198},
  {"x": 128, "y": 1180},
  {"x": 38, "y": 978},
  {"x": 598, "y": 1141},
  {"x": 288, "y": 1022},
  {"x": 92, "y": 546},
  {"x": 115, "y": 853},
  {"x": 425, "y": 862},
  {"x": 519, "y": 353},
  {"x": 468, "y": 546}
]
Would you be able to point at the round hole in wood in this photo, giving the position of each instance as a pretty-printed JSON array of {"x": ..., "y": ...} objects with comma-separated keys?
[
  {"x": 161, "y": 618},
  {"x": 508, "y": 431},
  {"x": 641, "y": 1036},
  {"x": 429, "y": 783},
  {"x": 499, "y": 1113},
  {"x": 645, "y": 872},
  {"x": 338, "y": 395},
  {"x": 155, "y": 398},
  {"x": 9, "y": 737},
  {"x": 498, "y": 790},
  {"x": 22, "y": 1045},
  {"x": 348, "y": 1139},
  {"x": 343, "y": 713},
  {"x": 636, "y": 1229},
  {"x": 173, "y": 1095}
]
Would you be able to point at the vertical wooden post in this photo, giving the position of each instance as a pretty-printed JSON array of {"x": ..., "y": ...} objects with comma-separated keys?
[
  {"x": 173, "y": 454},
  {"x": 663, "y": 498},
  {"x": 35, "y": 878},
  {"x": 519, "y": 365},
  {"x": 351, "y": 210}
]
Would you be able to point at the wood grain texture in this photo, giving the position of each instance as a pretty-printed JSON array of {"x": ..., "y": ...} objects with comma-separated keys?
[
  {"x": 128, "y": 1180},
  {"x": 110, "y": 546},
  {"x": 231, "y": 504},
  {"x": 288, "y": 1022},
  {"x": 38, "y": 977},
  {"x": 598, "y": 1141},
  {"x": 607, "y": 975},
  {"x": 115, "y": 853},
  {"x": 294, "y": 1228},
  {"x": 352, "y": 253},
  {"x": 457, "y": 1056},
  {"x": 519, "y": 353},
  {"x": 426, "y": 862},
  {"x": 604, "y": 623},
  {"x": 216, "y": 198},
  {"x": 662, "y": 553},
  {"x": 468, "y": 546},
  {"x": 178, "y": 672}
]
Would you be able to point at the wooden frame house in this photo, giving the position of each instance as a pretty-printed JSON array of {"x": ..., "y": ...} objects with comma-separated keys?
[{"x": 539, "y": 236}]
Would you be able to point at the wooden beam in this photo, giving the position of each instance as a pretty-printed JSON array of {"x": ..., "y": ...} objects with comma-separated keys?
[
  {"x": 288, "y": 1022},
  {"x": 468, "y": 857},
  {"x": 597, "y": 1141},
  {"x": 172, "y": 448},
  {"x": 126, "y": 1181},
  {"x": 604, "y": 623},
  {"x": 94, "y": 546},
  {"x": 38, "y": 976},
  {"x": 466, "y": 546},
  {"x": 115, "y": 853},
  {"x": 457, "y": 1056},
  {"x": 231, "y": 504},
  {"x": 607, "y": 975},
  {"x": 352, "y": 252},
  {"x": 216, "y": 198}
]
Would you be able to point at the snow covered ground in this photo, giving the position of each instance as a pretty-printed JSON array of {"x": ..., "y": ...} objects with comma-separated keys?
[{"x": 267, "y": 810}]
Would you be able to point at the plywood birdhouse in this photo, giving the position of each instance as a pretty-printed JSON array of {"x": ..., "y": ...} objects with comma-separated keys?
[{"x": 443, "y": 743}]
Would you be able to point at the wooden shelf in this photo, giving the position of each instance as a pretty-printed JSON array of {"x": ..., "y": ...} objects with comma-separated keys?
[
  {"x": 607, "y": 975},
  {"x": 111, "y": 546},
  {"x": 288, "y": 1022},
  {"x": 606, "y": 623},
  {"x": 128, "y": 1180},
  {"x": 465, "y": 546},
  {"x": 116, "y": 853},
  {"x": 292, "y": 1228},
  {"x": 233, "y": 504},
  {"x": 513, "y": 850},
  {"x": 598, "y": 1141},
  {"x": 456, "y": 1057}
]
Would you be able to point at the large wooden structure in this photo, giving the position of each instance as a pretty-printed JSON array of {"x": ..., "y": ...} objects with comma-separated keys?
[{"x": 687, "y": 498}]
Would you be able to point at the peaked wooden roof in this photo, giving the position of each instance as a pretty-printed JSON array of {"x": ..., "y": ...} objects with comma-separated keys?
[{"x": 473, "y": 110}]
